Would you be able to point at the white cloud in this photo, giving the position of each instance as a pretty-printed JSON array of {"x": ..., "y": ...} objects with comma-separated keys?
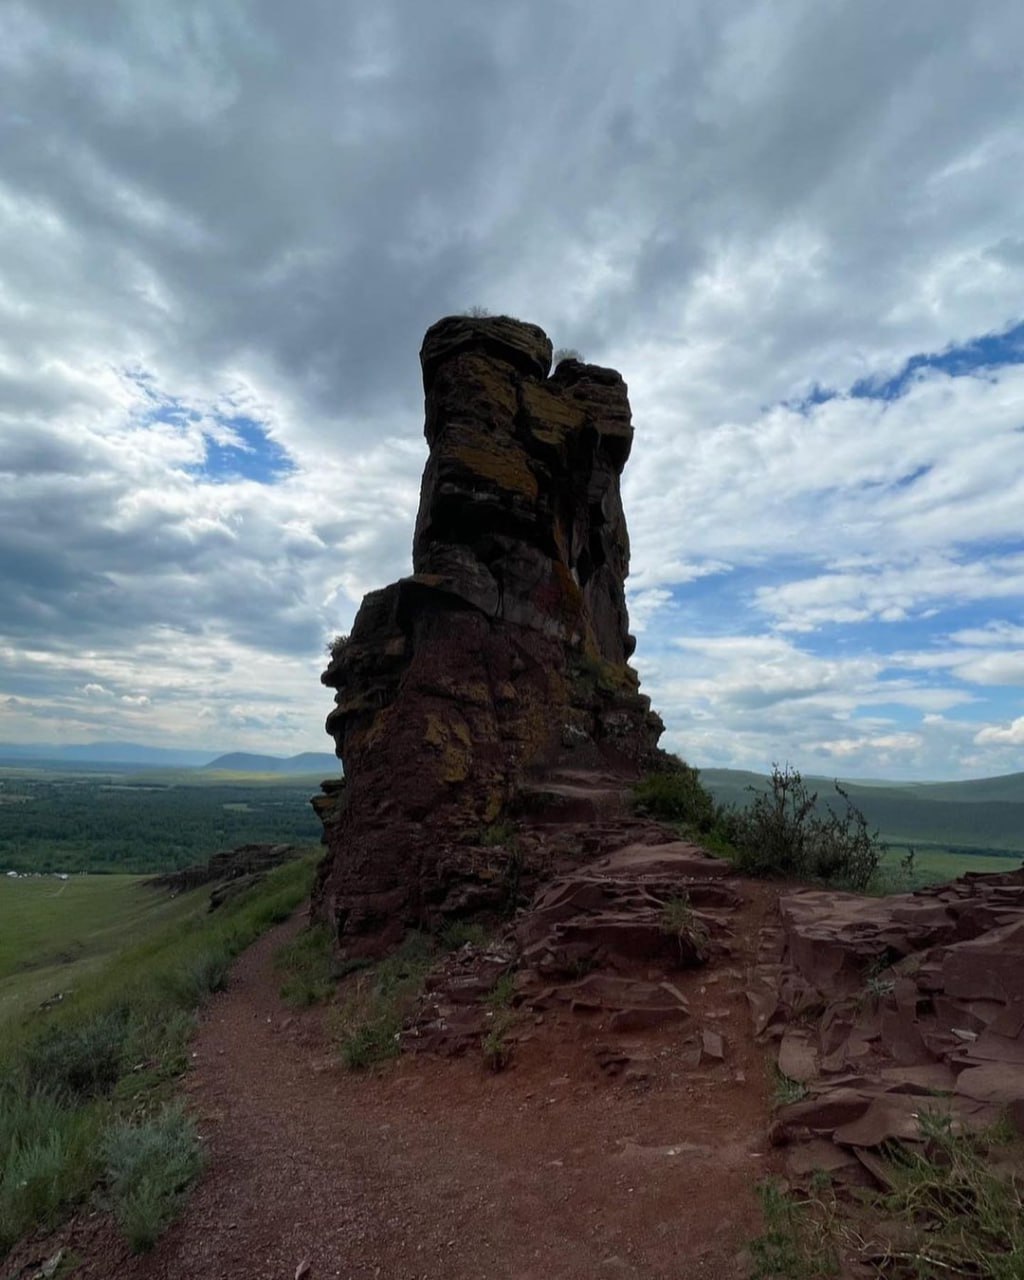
[
  {"x": 244, "y": 216},
  {"x": 1009, "y": 735}
]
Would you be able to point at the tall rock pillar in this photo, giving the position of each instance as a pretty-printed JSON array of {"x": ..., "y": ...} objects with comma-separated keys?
[{"x": 505, "y": 654}]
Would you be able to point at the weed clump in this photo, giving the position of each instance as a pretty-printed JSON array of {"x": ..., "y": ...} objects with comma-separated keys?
[
  {"x": 148, "y": 1168},
  {"x": 680, "y": 921},
  {"x": 369, "y": 1021},
  {"x": 309, "y": 974},
  {"x": 782, "y": 833}
]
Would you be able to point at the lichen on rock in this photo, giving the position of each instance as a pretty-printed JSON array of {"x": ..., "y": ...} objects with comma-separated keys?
[{"x": 505, "y": 654}]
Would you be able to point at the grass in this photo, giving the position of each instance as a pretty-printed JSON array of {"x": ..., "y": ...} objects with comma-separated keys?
[
  {"x": 75, "y": 1079},
  {"x": 970, "y": 1214},
  {"x": 679, "y": 920},
  {"x": 306, "y": 963},
  {"x": 57, "y": 934},
  {"x": 798, "y": 1242},
  {"x": 785, "y": 1089},
  {"x": 368, "y": 1021},
  {"x": 148, "y": 1167},
  {"x": 495, "y": 1044},
  {"x": 460, "y": 932},
  {"x": 958, "y": 1200}
]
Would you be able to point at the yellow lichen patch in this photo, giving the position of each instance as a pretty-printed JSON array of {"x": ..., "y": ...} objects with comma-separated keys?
[
  {"x": 507, "y": 469},
  {"x": 480, "y": 377},
  {"x": 493, "y": 807},
  {"x": 452, "y": 740},
  {"x": 552, "y": 417}
]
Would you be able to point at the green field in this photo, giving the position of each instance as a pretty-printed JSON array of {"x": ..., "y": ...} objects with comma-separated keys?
[
  {"x": 56, "y": 933},
  {"x": 936, "y": 865}
]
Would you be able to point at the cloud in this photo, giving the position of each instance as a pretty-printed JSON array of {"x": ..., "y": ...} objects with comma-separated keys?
[
  {"x": 794, "y": 228},
  {"x": 1010, "y": 735}
]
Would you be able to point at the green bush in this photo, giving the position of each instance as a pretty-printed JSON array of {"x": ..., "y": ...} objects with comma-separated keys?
[
  {"x": 783, "y": 834},
  {"x": 148, "y": 1169},
  {"x": 676, "y": 794},
  {"x": 82, "y": 1059}
]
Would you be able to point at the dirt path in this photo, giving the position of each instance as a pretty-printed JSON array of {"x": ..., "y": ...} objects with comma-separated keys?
[{"x": 547, "y": 1171}]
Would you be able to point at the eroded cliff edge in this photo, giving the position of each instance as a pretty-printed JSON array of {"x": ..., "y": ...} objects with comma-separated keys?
[{"x": 504, "y": 655}]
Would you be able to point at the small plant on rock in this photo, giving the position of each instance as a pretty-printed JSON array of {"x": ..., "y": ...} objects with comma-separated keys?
[
  {"x": 565, "y": 353},
  {"x": 680, "y": 921},
  {"x": 495, "y": 1045},
  {"x": 337, "y": 647}
]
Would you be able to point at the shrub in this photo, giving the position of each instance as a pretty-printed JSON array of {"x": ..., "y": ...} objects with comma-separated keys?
[
  {"x": 149, "y": 1167},
  {"x": 676, "y": 794},
  {"x": 80, "y": 1060},
  {"x": 565, "y": 353},
  {"x": 782, "y": 833},
  {"x": 336, "y": 647}
]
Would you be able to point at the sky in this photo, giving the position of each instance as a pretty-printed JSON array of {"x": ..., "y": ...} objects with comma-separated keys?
[{"x": 795, "y": 226}]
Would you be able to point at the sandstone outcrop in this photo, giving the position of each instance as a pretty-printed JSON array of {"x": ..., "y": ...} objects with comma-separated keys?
[
  {"x": 887, "y": 1008},
  {"x": 504, "y": 655}
]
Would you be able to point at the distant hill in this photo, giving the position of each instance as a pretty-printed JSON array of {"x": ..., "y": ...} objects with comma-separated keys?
[
  {"x": 101, "y": 753},
  {"x": 981, "y": 813},
  {"x": 246, "y": 762}
]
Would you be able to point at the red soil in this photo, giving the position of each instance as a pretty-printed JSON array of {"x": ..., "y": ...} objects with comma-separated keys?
[{"x": 438, "y": 1168}]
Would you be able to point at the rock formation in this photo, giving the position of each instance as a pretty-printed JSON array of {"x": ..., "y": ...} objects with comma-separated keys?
[
  {"x": 885, "y": 1008},
  {"x": 504, "y": 655}
]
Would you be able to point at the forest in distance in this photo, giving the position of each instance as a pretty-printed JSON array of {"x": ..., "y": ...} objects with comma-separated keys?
[{"x": 146, "y": 822}]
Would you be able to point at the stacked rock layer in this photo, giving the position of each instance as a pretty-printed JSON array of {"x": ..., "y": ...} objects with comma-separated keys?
[{"x": 505, "y": 654}]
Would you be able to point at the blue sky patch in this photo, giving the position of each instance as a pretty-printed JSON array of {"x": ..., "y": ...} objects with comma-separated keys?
[
  {"x": 250, "y": 455},
  {"x": 989, "y": 351}
]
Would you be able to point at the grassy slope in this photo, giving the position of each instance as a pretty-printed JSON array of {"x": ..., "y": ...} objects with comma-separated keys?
[
  {"x": 87, "y": 1089},
  {"x": 56, "y": 933}
]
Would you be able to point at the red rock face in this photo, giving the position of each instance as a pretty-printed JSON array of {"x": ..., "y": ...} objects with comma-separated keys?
[{"x": 504, "y": 655}]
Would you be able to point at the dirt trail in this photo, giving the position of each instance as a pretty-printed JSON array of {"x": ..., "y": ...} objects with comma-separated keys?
[{"x": 547, "y": 1171}]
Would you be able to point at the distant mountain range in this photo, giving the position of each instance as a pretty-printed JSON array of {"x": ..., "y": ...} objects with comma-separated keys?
[{"x": 93, "y": 755}]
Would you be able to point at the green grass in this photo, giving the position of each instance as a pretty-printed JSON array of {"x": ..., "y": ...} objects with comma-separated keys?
[
  {"x": 306, "y": 965},
  {"x": 798, "y": 1242},
  {"x": 959, "y": 1200},
  {"x": 936, "y": 864},
  {"x": 368, "y": 1021},
  {"x": 58, "y": 933},
  {"x": 85, "y": 1087},
  {"x": 148, "y": 1167}
]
